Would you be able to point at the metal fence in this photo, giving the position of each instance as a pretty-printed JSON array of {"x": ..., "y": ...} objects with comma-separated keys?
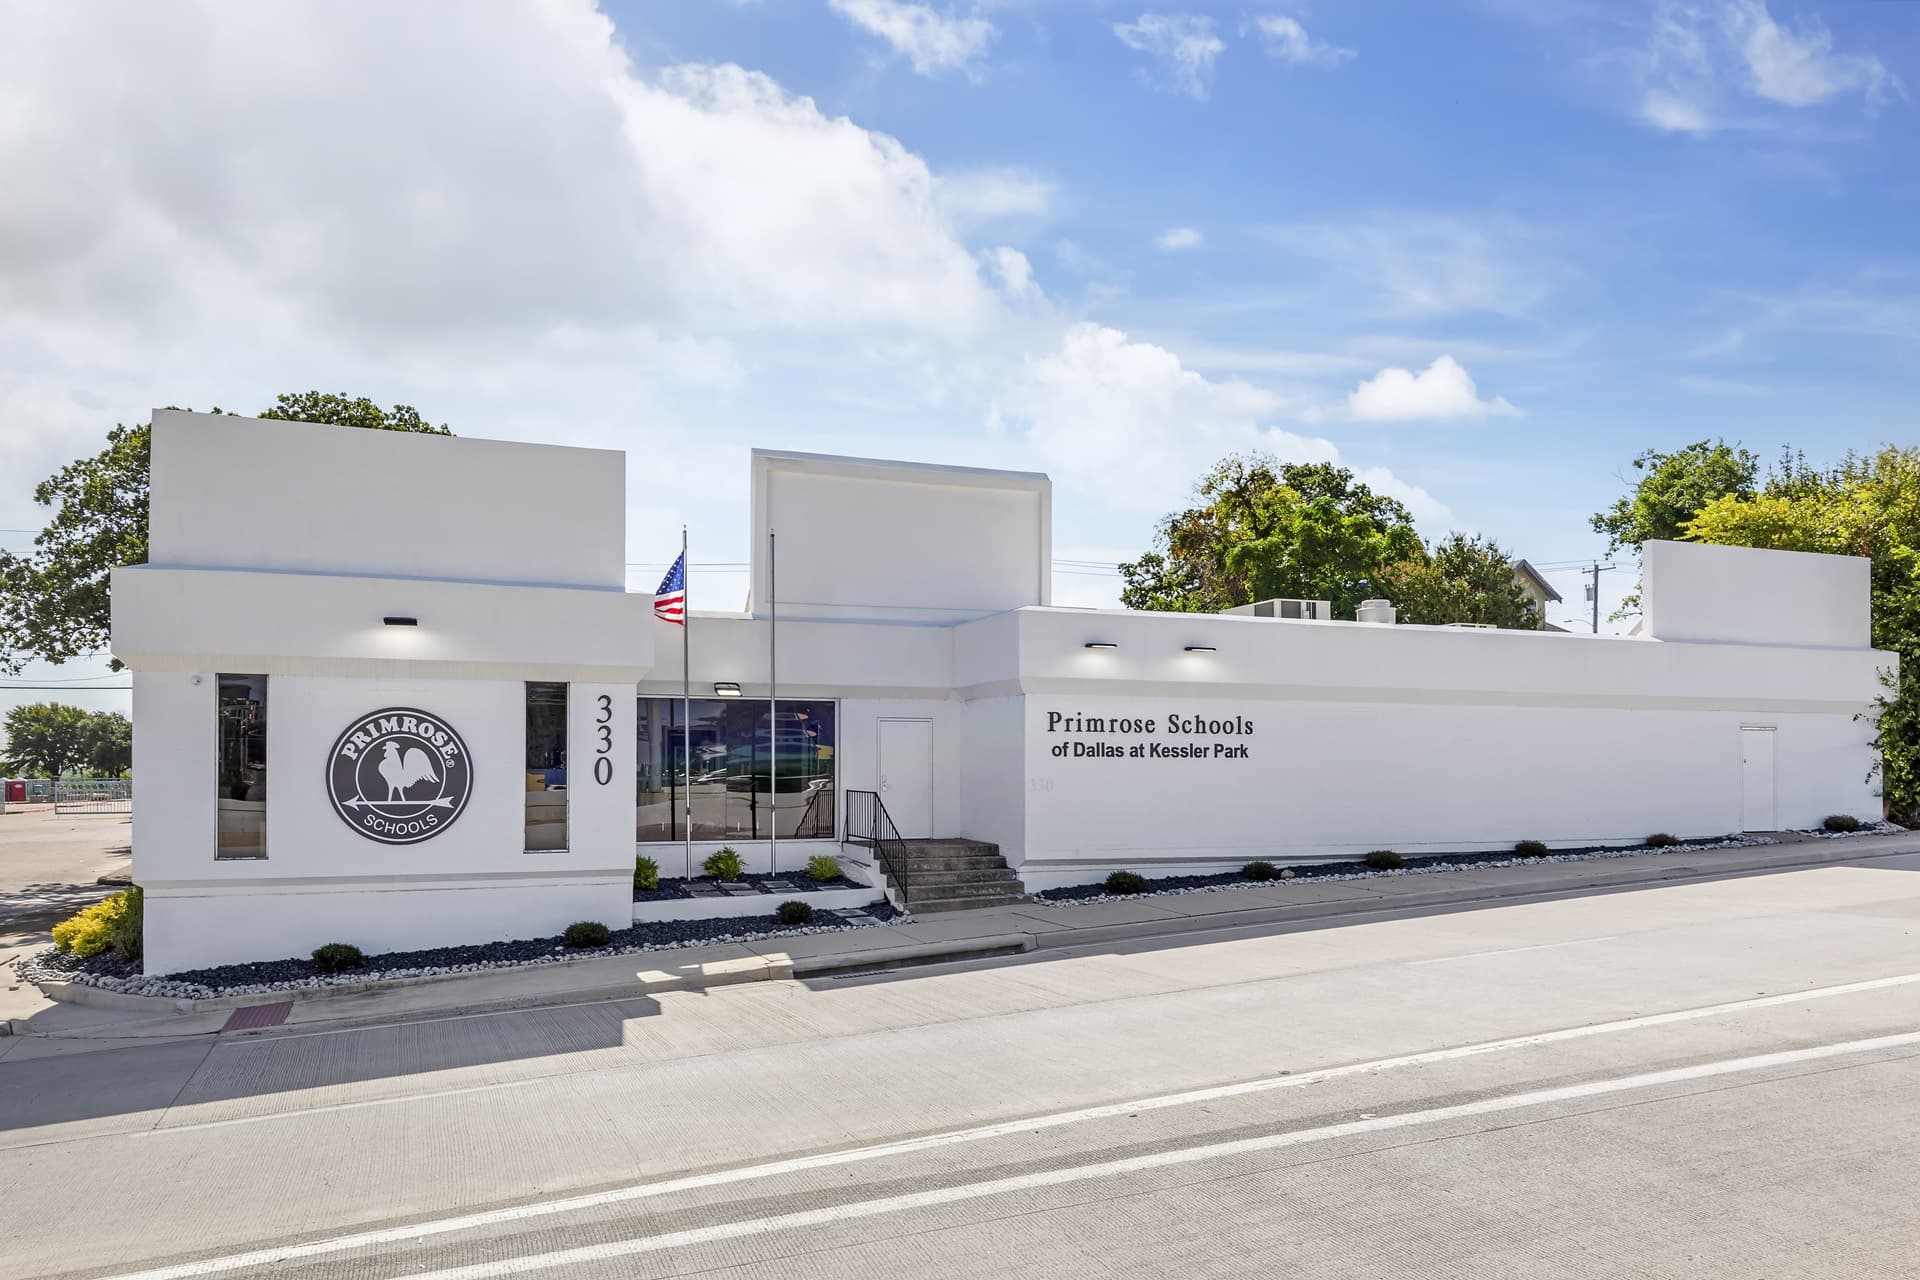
[{"x": 93, "y": 795}]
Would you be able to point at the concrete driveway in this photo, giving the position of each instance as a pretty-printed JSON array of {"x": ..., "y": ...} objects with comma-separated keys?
[{"x": 49, "y": 866}]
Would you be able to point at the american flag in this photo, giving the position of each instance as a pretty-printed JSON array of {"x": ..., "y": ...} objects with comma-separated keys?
[{"x": 670, "y": 601}]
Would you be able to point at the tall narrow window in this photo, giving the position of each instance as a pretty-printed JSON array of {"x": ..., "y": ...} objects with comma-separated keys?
[
  {"x": 241, "y": 787},
  {"x": 546, "y": 767}
]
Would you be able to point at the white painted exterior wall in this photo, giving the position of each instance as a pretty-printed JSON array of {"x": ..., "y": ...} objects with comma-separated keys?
[{"x": 902, "y": 593}]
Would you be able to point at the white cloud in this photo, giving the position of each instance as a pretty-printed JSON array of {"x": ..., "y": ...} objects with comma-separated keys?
[
  {"x": 1014, "y": 273},
  {"x": 1430, "y": 264},
  {"x": 1799, "y": 68},
  {"x": 1706, "y": 67},
  {"x": 1724, "y": 344},
  {"x": 1174, "y": 239},
  {"x": 1184, "y": 42},
  {"x": 975, "y": 197},
  {"x": 932, "y": 41},
  {"x": 1128, "y": 422},
  {"x": 1287, "y": 41},
  {"x": 1442, "y": 392}
]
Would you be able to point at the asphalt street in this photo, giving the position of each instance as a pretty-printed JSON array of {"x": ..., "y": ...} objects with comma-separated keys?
[{"x": 1706, "y": 1079}]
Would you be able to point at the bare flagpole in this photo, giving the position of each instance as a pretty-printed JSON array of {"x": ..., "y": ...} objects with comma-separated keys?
[
  {"x": 773, "y": 710},
  {"x": 686, "y": 692}
]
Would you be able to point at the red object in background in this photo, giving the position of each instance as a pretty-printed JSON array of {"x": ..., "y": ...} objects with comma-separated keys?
[{"x": 16, "y": 790}]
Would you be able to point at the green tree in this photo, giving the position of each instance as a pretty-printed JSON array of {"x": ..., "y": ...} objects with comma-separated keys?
[
  {"x": 107, "y": 744},
  {"x": 44, "y": 739},
  {"x": 1672, "y": 489},
  {"x": 1864, "y": 506},
  {"x": 1262, "y": 529},
  {"x": 1463, "y": 579},
  {"x": 53, "y": 601}
]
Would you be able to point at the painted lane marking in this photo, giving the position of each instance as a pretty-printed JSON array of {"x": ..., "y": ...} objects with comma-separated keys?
[
  {"x": 566, "y": 1258},
  {"x": 1509, "y": 951},
  {"x": 908, "y": 1146}
]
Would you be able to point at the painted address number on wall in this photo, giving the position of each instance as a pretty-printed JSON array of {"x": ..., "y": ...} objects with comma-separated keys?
[{"x": 602, "y": 752}]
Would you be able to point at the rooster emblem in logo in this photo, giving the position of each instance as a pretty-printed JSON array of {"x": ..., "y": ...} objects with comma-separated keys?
[
  {"x": 399, "y": 776},
  {"x": 401, "y": 769}
]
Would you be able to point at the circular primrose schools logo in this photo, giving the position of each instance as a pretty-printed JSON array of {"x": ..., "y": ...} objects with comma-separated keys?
[{"x": 399, "y": 776}]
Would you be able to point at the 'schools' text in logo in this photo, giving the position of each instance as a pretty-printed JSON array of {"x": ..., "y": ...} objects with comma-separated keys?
[{"x": 399, "y": 775}]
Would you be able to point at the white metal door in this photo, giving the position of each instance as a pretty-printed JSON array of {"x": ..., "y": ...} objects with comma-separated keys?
[
  {"x": 906, "y": 775},
  {"x": 1756, "y": 780}
]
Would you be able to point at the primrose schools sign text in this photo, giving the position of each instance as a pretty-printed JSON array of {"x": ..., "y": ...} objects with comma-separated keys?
[{"x": 1184, "y": 731}]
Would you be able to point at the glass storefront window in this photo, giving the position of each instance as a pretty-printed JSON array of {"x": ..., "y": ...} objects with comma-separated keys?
[
  {"x": 751, "y": 767},
  {"x": 546, "y": 767},
  {"x": 241, "y": 786}
]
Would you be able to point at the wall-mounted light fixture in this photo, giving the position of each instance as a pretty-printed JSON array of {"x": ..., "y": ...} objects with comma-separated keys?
[
  {"x": 1201, "y": 648},
  {"x": 1101, "y": 644},
  {"x": 400, "y": 620},
  {"x": 726, "y": 689}
]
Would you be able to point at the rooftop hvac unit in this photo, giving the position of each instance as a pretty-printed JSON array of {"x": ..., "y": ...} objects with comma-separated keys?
[
  {"x": 1381, "y": 611},
  {"x": 1316, "y": 610}
]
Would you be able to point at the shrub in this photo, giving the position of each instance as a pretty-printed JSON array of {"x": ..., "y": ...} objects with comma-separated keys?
[
  {"x": 823, "y": 867},
  {"x": 724, "y": 865},
  {"x": 793, "y": 912},
  {"x": 586, "y": 933},
  {"x": 1841, "y": 822},
  {"x": 1259, "y": 871},
  {"x": 1126, "y": 882},
  {"x": 1661, "y": 840},
  {"x": 1384, "y": 860},
  {"x": 129, "y": 931},
  {"x": 113, "y": 922},
  {"x": 646, "y": 873},
  {"x": 1531, "y": 849},
  {"x": 337, "y": 957}
]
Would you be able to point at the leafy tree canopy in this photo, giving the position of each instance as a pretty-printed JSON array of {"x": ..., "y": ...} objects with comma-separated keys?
[
  {"x": 44, "y": 739},
  {"x": 53, "y": 600},
  {"x": 1262, "y": 529},
  {"x": 1463, "y": 579},
  {"x": 1672, "y": 489}
]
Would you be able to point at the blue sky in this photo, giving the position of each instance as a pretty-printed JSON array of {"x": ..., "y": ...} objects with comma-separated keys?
[{"x": 1483, "y": 252}]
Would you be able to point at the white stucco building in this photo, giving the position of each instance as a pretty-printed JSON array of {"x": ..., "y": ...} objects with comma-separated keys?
[{"x": 390, "y": 689}]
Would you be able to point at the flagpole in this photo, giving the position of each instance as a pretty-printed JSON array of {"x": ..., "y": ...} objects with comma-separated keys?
[
  {"x": 773, "y": 709},
  {"x": 686, "y": 692}
]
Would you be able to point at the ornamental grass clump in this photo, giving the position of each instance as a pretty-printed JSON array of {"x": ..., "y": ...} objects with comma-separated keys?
[
  {"x": 646, "y": 873},
  {"x": 1662, "y": 840},
  {"x": 1384, "y": 860},
  {"x": 337, "y": 957},
  {"x": 1840, "y": 822},
  {"x": 724, "y": 865},
  {"x": 1260, "y": 871},
  {"x": 1531, "y": 849},
  {"x": 112, "y": 924},
  {"x": 823, "y": 867},
  {"x": 1126, "y": 882},
  {"x": 582, "y": 934},
  {"x": 794, "y": 912}
]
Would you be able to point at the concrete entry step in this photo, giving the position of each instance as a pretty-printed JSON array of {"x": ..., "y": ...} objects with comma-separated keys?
[{"x": 955, "y": 874}]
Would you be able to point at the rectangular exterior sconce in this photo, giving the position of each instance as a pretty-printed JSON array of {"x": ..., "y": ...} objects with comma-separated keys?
[
  {"x": 1101, "y": 644},
  {"x": 1201, "y": 648},
  {"x": 726, "y": 689},
  {"x": 400, "y": 620}
]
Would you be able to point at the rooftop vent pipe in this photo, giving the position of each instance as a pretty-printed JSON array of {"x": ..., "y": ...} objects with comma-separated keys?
[{"x": 1381, "y": 611}]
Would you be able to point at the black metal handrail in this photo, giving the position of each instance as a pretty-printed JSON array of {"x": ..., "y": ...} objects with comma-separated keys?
[{"x": 869, "y": 824}]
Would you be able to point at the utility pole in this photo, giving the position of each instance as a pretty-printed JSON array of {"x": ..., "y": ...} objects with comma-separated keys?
[{"x": 1593, "y": 593}]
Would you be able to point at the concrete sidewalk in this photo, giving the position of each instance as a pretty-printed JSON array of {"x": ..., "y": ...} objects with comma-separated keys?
[{"x": 90, "y": 1018}]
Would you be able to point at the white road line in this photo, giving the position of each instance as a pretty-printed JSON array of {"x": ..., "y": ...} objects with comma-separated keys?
[
  {"x": 1509, "y": 951},
  {"x": 565, "y": 1258},
  {"x": 879, "y": 1151}
]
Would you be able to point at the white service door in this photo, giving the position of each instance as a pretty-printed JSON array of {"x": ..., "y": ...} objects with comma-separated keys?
[
  {"x": 906, "y": 775},
  {"x": 1756, "y": 780}
]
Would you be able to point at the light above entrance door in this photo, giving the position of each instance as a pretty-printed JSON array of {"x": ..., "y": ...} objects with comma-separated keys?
[
  {"x": 726, "y": 689},
  {"x": 1101, "y": 644},
  {"x": 400, "y": 620},
  {"x": 1201, "y": 648}
]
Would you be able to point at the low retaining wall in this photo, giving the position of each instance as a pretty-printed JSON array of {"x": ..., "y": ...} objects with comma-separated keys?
[{"x": 759, "y": 904}]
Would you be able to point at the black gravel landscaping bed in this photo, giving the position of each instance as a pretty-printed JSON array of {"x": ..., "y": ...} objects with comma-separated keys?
[
  {"x": 294, "y": 973},
  {"x": 676, "y": 888},
  {"x": 1354, "y": 869}
]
